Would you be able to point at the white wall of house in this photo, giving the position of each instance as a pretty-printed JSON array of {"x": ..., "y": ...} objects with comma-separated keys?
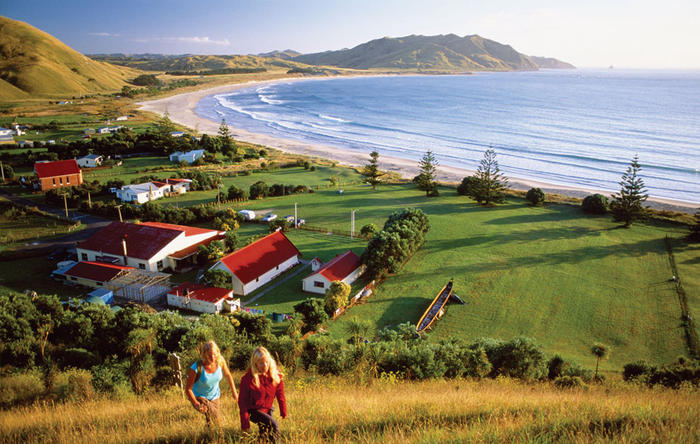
[
  {"x": 243, "y": 289},
  {"x": 87, "y": 162},
  {"x": 309, "y": 283},
  {"x": 194, "y": 304}
]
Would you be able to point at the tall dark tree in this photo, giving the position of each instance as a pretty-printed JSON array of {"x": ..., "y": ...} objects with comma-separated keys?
[
  {"x": 600, "y": 351},
  {"x": 425, "y": 180},
  {"x": 227, "y": 146},
  {"x": 491, "y": 184},
  {"x": 627, "y": 205},
  {"x": 165, "y": 126},
  {"x": 371, "y": 170}
]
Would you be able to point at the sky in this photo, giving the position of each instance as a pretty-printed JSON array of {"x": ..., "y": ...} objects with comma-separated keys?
[{"x": 587, "y": 33}]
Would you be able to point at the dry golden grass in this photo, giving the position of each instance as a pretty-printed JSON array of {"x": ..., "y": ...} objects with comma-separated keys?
[{"x": 331, "y": 410}]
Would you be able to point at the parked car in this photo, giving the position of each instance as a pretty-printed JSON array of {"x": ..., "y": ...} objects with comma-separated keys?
[
  {"x": 247, "y": 214},
  {"x": 289, "y": 218},
  {"x": 269, "y": 217},
  {"x": 301, "y": 222}
]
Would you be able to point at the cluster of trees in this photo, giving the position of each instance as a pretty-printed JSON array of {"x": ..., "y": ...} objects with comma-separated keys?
[
  {"x": 488, "y": 185},
  {"x": 260, "y": 190},
  {"x": 403, "y": 234},
  {"x": 674, "y": 375},
  {"x": 212, "y": 72}
]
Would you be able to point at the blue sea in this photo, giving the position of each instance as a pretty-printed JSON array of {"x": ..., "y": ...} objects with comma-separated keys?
[{"x": 577, "y": 128}]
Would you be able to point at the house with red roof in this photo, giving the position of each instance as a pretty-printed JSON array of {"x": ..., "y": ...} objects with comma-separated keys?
[
  {"x": 150, "y": 246},
  {"x": 145, "y": 192},
  {"x": 61, "y": 173},
  {"x": 255, "y": 265},
  {"x": 90, "y": 274},
  {"x": 346, "y": 267},
  {"x": 203, "y": 299}
]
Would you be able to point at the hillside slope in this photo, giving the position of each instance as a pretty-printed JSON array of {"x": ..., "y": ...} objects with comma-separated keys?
[
  {"x": 33, "y": 62},
  {"x": 441, "y": 52},
  {"x": 190, "y": 62}
]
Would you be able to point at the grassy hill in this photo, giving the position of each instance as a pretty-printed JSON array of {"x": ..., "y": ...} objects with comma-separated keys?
[
  {"x": 441, "y": 52},
  {"x": 188, "y": 62},
  {"x": 325, "y": 409},
  {"x": 33, "y": 63}
]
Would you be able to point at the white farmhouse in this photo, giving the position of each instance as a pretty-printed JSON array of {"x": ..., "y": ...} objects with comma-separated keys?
[
  {"x": 189, "y": 156},
  {"x": 150, "y": 246},
  {"x": 89, "y": 161},
  {"x": 203, "y": 299},
  {"x": 145, "y": 192},
  {"x": 253, "y": 266},
  {"x": 345, "y": 268}
]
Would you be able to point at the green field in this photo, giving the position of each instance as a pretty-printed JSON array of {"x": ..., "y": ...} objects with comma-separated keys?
[{"x": 551, "y": 273}]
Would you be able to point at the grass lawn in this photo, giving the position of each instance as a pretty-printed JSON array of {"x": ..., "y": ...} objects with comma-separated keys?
[
  {"x": 550, "y": 273},
  {"x": 33, "y": 274},
  {"x": 29, "y": 227}
]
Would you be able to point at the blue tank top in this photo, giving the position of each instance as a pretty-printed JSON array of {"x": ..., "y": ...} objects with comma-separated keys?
[{"x": 207, "y": 386}]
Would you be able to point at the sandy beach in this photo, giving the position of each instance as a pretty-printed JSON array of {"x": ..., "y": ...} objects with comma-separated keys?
[{"x": 181, "y": 110}]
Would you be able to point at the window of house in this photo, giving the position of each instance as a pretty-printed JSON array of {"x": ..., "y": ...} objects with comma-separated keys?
[
  {"x": 318, "y": 284},
  {"x": 277, "y": 268},
  {"x": 99, "y": 283},
  {"x": 60, "y": 180},
  {"x": 73, "y": 278},
  {"x": 159, "y": 264},
  {"x": 83, "y": 256},
  {"x": 54, "y": 181},
  {"x": 142, "y": 266},
  {"x": 257, "y": 279},
  {"x": 68, "y": 179}
]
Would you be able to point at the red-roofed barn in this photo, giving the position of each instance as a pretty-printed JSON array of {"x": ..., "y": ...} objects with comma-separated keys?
[
  {"x": 61, "y": 173},
  {"x": 345, "y": 268},
  {"x": 260, "y": 262},
  {"x": 151, "y": 246},
  {"x": 197, "y": 297}
]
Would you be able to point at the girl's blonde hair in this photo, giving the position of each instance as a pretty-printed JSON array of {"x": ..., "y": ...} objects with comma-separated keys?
[
  {"x": 273, "y": 372},
  {"x": 205, "y": 347}
]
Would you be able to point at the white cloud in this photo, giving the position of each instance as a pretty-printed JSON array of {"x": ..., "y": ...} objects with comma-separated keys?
[
  {"x": 104, "y": 34},
  {"x": 195, "y": 40}
]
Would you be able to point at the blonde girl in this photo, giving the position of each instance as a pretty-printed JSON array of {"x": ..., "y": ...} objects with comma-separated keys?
[
  {"x": 203, "y": 380},
  {"x": 261, "y": 384}
]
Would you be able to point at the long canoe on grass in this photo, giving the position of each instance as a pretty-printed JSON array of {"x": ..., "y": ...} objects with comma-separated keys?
[{"x": 434, "y": 309}]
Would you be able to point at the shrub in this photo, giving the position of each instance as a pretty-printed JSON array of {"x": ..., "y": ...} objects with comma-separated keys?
[
  {"x": 535, "y": 196},
  {"x": 517, "y": 358},
  {"x": 74, "y": 385},
  {"x": 555, "y": 367},
  {"x": 595, "y": 204},
  {"x": 368, "y": 231},
  {"x": 569, "y": 382},
  {"x": 336, "y": 296},
  {"x": 20, "y": 388},
  {"x": 312, "y": 312},
  {"x": 258, "y": 190},
  {"x": 110, "y": 376},
  {"x": 636, "y": 370},
  {"x": 279, "y": 224},
  {"x": 78, "y": 358}
]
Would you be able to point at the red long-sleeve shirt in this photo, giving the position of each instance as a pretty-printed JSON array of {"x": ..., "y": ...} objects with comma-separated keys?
[{"x": 259, "y": 398}]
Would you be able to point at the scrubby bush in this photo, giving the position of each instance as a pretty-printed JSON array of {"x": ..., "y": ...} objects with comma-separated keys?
[
  {"x": 468, "y": 187},
  {"x": 21, "y": 388},
  {"x": 110, "y": 377},
  {"x": 336, "y": 296},
  {"x": 368, "y": 231},
  {"x": 535, "y": 196},
  {"x": 78, "y": 358},
  {"x": 258, "y": 190},
  {"x": 595, "y": 204},
  {"x": 636, "y": 370},
  {"x": 74, "y": 385},
  {"x": 517, "y": 358},
  {"x": 312, "y": 312},
  {"x": 279, "y": 224},
  {"x": 569, "y": 382}
]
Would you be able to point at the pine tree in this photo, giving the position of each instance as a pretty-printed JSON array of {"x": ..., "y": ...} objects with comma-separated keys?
[
  {"x": 227, "y": 147},
  {"x": 491, "y": 184},
  {"x": 425, "y": 180},
  {"x": 371, "y": 170},
  {"x": 627, "y": 204}
]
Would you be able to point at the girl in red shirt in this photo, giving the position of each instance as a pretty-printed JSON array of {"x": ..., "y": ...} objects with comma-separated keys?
[{"x": 259, "y": 387}]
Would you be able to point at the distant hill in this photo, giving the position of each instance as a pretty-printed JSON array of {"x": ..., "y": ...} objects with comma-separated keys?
[
  {"x": 190, "y": 62},
  {"x": 550, "y": 63},
  {"x": 34, "y": 63},
  {"x": 442, "y": 52},
  {"x": 287, "y": 54}
]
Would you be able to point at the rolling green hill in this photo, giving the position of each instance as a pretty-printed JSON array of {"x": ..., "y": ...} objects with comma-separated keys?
[
  {"x": 33, "y": 63},
  {"x": 442, "y": 52},
  {"x": 194, "y": 63}
]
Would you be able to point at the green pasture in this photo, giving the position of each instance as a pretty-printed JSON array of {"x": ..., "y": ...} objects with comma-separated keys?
[
  {"x": 551, "y": 273},
  {"x": 33, "y": 274}
]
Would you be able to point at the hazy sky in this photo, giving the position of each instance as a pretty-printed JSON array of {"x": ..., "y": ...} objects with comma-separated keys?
[{"x": 587, "y": 33}]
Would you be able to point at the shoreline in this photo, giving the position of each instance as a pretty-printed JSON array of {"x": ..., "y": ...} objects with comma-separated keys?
[{"x": 180, "y": 108}]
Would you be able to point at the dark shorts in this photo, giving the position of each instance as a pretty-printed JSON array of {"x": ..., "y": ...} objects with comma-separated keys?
[{"x": 213, "y": 413}]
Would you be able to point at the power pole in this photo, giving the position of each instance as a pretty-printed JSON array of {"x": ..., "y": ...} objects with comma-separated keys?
[
  {"x": 89, "y": 200},
  {"x": 65, "y": 203},
  {"x": 3, "y": 171},
  {"x": 295, "y": 214},
  {"x": 119, "y": 208},
  {"x": 352, "y": 223}
]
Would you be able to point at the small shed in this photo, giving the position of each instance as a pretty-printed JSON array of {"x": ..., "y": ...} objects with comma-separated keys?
[{"x": 104, "y": 295}]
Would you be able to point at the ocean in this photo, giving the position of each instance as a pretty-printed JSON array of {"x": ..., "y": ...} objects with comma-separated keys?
[{"x": 576, "y": 128}]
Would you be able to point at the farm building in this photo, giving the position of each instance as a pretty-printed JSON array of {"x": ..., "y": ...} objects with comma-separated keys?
[
  {"x": 189, "y": 156},
  {"x": 61, "y": 173},
  {"x": 151, "y": 246},
  {"x": 345, "y": 268},
  {"x": 89, "y": 274},
  {"x": 144, "y": 192},
  {"x": 259, "y": 263},
  {"x": 203, "y": 299},
  {"x": 89, "y": 161}
]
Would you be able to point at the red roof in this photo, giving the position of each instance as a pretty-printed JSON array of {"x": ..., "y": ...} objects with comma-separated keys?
[
  {"x": 201, "y": 292},
  {"x": 142, "y": 241},
  {"x": 340, "y": 267},
  {"x": 254, "y": 260},
  {"x": 96, "y": 271},
  {"x": 57, "y": 168},
  {"x": 189, "y": 231}
]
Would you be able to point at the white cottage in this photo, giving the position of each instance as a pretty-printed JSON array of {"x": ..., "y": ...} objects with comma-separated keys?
[
  {"x": 89, "y": 161},
  {"x": 203, "y": 299},
  {"x": 253, "y": 266},
  {"x": 345, "y": 268}
]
